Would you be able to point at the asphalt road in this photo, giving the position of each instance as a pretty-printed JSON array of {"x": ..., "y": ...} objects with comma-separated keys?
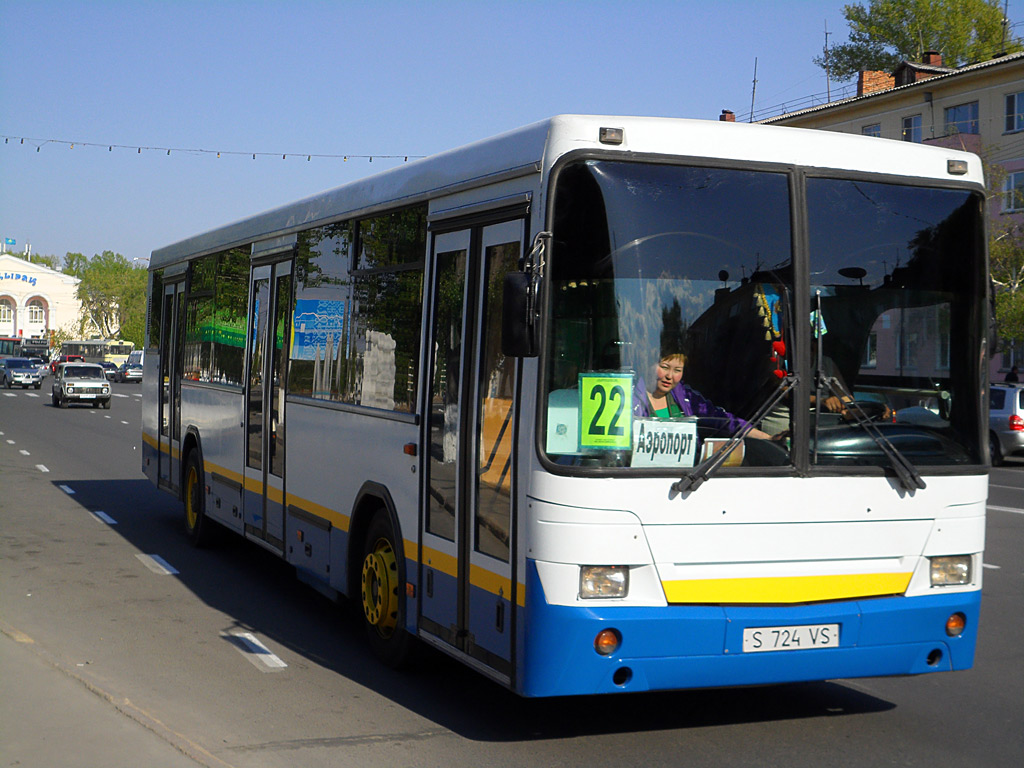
[{"x": 122, "y": 646}]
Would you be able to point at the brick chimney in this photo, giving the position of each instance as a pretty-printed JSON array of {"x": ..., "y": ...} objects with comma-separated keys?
[
  {"x": 727, "y": 116},
  {"x": 870, "y": 81},
  {"x": 932, "y": 58}
]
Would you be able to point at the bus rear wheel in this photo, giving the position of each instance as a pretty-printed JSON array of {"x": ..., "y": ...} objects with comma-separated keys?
[
  {"x": 381, "y": 594},
  {"x": 197, "y": 525}
]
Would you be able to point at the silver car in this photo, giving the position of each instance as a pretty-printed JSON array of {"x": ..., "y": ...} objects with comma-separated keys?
[
  {"x": 1005, "y": 421},
  {"x": 19, "y": 371},
  {"x": 80, "y": 383}
]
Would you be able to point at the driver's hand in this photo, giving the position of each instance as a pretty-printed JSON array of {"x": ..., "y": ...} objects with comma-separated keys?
[{"x": 834, "y": 405}]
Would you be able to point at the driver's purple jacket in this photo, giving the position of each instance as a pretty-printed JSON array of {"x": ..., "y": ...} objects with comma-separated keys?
[{"x": 690, "y": 402}]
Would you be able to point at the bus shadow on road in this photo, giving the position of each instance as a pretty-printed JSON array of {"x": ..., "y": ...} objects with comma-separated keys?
[{"x": 261, "y": 594}]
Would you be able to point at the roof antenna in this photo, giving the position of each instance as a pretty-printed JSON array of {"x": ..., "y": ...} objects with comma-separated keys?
[{"x": 753, "y": 91}]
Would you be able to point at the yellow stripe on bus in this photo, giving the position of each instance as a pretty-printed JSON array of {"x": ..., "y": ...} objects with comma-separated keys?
[
  {"x": 786, "y": 589},
  {"x": 446, "y": 564}
]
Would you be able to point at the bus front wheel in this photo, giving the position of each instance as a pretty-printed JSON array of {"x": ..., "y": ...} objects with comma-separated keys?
[{"x": 382, "y": 594}]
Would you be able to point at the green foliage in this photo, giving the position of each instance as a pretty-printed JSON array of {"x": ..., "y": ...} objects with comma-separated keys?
[
  {"x": 113, "y": 294},
  {"x": 1006, "y": 258},
  {"x": 887, "y": 32}
]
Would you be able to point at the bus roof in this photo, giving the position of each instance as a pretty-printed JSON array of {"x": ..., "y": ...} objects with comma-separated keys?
[{"x": 535, "y": 148}]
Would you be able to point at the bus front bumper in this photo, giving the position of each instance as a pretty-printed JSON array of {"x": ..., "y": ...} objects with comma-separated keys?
[{"x": 700, "y": 646}]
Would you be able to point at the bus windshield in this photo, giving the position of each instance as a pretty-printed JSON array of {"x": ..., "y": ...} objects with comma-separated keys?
[{"x": 679, "y": 317}]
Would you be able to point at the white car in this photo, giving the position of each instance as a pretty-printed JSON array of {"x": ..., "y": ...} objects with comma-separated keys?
[
  {"x": 80, "y": 383},
  {"x": 19, "y": 371}
]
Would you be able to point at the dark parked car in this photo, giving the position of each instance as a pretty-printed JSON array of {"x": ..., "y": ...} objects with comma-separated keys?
[
  {"x": 109, "y": 370},
  {"x": 19, "y": 371}
]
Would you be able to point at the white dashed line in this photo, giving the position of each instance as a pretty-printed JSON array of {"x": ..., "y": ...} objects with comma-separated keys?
[
  {"x": 67, "y": 489},
  {"x": 158, "y": 565},
  {"x": 103, "y": 517},
  {"x": 255, "y": 651},
  {"x": 10, "y": 442},
  {"x": 990, "y": 567},
  {"x": 23, "y": 452},
  {"x": 42, "y": 468},
  {"x": 1015, "y": 510}
]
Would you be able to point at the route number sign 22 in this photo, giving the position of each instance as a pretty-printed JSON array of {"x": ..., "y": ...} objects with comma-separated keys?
[{"x": 606, "y": 411}]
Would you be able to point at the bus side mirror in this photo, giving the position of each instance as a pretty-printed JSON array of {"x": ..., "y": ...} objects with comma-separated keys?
[{"x": 518, "y": 317}]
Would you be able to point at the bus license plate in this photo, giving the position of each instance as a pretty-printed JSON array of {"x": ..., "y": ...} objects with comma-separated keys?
[{"x": 800, "y": 638}]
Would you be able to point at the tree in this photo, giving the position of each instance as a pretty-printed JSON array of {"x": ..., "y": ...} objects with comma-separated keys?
[
  {"x": 887, "y": 32},
  {"x": 1006, "y": 259},
  {"x": 112, "y": 292}
]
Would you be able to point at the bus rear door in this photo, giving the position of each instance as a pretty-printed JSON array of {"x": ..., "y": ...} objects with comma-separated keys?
[
  {"x": 270, "y": 292},
  {"x": 169, "y": 388}
]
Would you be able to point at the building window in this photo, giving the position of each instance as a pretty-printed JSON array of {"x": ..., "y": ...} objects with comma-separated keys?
[
  {"x": 912, "y": 129},
  {"x": 1015, "y": 112},
  {"x": 36, "y": 314},
  {"x": 962, "y": 118},
  {"x": 1013, "y": 192},
  {"x": 875, "y": 129},
  {"x": 870, "y": 359},
  {"x": 6, "y": 311}
]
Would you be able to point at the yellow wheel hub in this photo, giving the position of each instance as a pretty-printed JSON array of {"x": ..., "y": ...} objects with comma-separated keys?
[
  {"x": 380, "y": 588},
  {"x": 191, "y": 513}
]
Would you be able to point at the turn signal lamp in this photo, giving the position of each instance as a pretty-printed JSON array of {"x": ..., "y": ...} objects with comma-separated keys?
[
  {"x": 955, "y": 625},
  {"x": 951, "y": 571},
  {"x": 607, "y": 642},
  {"x": 602, "y": 581},
  {"x": 956, "y": 167},
  {"x": 610, "y": 135}
]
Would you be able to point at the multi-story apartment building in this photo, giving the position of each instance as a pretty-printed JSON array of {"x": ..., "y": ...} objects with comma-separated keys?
[{"x": 979, "y": 108}]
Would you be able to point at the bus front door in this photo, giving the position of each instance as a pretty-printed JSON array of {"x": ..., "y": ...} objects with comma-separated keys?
[
  {"x": 169, "y": 388},
  {"x": 264, "y": 418},
  {"x": 468, "y": 591}
]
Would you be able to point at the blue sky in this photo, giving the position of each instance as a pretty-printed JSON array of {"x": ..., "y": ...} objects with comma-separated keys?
[{"x": 332, "y": 78}]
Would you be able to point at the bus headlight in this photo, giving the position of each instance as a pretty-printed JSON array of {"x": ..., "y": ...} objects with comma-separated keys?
[
  {"x": 951, "y": 571},
  {"x": 604, "y": 581}
]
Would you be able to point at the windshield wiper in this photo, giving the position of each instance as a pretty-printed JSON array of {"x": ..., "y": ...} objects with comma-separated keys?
[
  {"x": 703, "y": 471},
  {"x": 905, "y": 470},
  {"x": 907, "y": 473}
]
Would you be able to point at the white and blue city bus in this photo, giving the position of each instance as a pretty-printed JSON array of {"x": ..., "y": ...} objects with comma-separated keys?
[{"x": 436, "y": 391}]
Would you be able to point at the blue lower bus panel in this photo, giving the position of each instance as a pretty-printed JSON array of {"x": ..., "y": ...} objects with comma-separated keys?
[{"x": 702, "y": 646}]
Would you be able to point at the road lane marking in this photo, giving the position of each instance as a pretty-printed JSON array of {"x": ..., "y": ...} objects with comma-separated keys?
[
  {"x": 157, "y": 565},
  {"x": 1015, "y": 510},
  {"x": 31, "y": 394},
  {"x": 42, "y": 468},
  {"x": 67, "y": 489},
  {"x": 103, "y": 517},
  {"x": 1005, "y": 487},
  {"x": 10, "y": 394},
  {"x": 124, "y": 422},
  {"x": 10, "y": 442},
  {"x": 991, "y": 567},
  {"x": 23, "y": 452},
  {"x": 255, "y": 651}
]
